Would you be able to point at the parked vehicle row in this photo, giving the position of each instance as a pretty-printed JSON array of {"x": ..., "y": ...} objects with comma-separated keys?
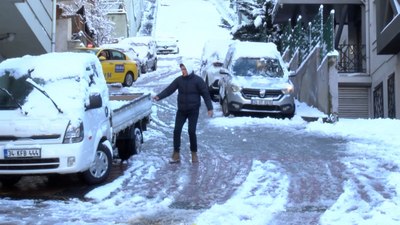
[
  {"x": 252, "y": 79},
  {"x": 63, "y": 118},
  {"x": 146, "y": 48}
]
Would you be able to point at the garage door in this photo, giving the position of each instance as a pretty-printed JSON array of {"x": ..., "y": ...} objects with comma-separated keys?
[{"x": 354, "y": 102}]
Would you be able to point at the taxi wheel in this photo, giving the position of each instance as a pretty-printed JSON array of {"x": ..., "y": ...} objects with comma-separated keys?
[{"x": 128, "y": 80}]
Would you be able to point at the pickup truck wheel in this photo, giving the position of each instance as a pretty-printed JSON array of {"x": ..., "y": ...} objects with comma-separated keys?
[
  {"x": 100, "y": 167},
  {"x": 9, "y": 180},
  {"x": 138, "y": 139},
  {"x": 128, "y": 80},
  {"x": 225, "y": 109}
]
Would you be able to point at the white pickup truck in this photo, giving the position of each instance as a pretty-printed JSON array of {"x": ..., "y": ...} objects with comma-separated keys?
[{"x": 57, "y": 116}]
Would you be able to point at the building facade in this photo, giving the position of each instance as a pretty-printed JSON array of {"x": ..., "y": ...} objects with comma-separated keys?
[{"x": 367, "y": 42}]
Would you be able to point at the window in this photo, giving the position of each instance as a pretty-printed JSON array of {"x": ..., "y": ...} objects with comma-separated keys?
[{"x": 116, "y": 55}]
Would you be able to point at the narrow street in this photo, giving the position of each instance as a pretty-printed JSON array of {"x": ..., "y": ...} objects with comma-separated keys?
[
  {"x": 251, "y": 170},
  {"x": 309, "y": 165},
  {"x": 273, "y": 163}
]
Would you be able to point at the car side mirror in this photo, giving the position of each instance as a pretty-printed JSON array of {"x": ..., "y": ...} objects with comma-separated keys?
[
  {"x": 102, "y": 58},
  {"x": 95, "y": 101}
]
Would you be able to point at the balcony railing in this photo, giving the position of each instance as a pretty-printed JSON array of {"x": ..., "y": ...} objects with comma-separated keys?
[
  {"x": 303, "y": 38},
  {"x": 352, "y": 59}
]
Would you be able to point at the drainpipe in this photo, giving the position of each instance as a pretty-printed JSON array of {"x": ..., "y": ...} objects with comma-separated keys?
[{"x": 53, "y": 30}]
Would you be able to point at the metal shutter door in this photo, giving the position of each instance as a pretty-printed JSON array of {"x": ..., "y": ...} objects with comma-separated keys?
[{"x": 353, "y": 102}]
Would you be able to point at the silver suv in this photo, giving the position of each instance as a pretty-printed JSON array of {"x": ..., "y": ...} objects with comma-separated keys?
[{"x": 255, "y": 80}]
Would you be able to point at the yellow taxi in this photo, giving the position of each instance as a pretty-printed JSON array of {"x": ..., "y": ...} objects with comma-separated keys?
[{"x": 117, "y": 67}]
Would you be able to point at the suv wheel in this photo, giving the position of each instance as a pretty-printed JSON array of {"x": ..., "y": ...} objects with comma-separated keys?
[{"x": 225, "y": 108}]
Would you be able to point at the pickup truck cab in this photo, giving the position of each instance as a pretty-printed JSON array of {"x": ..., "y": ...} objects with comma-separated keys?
[
  {"x": 254, "y": 79},
  {"x": 56, "y": 117}
]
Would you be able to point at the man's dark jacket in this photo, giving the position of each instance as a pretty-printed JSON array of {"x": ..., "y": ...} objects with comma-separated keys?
[{"x": 190, "y": 88}]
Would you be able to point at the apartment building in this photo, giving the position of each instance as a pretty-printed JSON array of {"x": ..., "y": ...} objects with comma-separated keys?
[
  {"x": 366, "y": 77},
  {"x": 28, "y": 27}
]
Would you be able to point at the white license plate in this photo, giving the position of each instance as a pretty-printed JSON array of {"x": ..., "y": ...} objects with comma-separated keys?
[
  {"x": 261, "y": 102},
  {"x": 22, "y": 153}
]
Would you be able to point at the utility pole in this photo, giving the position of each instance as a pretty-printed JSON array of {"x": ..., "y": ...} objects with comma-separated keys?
[{"x": 54, "y": 25}]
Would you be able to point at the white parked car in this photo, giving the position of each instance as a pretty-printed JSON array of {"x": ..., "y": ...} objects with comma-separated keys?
[
  {"x": 167, "y": 45},
  {"x": 256, "y": 80},
  {"x": 212, "y": 60}
]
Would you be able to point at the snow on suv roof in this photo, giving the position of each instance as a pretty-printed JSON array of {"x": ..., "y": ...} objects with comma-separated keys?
[{"x": 254, "y": 49}]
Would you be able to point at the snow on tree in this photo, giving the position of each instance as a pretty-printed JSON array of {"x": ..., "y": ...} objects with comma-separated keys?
[
  {"x": 94, "y": 13},
  {"x": 255, "y": 21}
]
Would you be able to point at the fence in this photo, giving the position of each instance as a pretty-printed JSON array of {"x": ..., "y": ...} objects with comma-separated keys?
[{"x": 303, "y": 39}]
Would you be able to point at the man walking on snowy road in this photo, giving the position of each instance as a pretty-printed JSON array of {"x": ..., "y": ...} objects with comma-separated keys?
[{"x": 190, "y": 88}]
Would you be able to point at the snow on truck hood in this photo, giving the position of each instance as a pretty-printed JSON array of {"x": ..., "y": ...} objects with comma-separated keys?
[
  {"x": 28, "y": 127},
  {"x": 64, "y": 76}
]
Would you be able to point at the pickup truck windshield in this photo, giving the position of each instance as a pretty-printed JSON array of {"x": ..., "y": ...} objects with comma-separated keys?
[
  {"x": 266, "y": 67},
  {"x": 17, "y": 88}
]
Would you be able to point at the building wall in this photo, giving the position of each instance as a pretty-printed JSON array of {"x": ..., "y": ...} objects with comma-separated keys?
[
  {"x": 316, "y": 82},
  {"x": 134, "y": 9},
  {"x": 381, "y": 67},
  {"x": 64, "y": 32}
]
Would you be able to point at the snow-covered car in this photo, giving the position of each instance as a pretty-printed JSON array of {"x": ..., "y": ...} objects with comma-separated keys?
[
  {"x": 117, "y": 66},
  {"x": 57, "y": 116},
  {"x": 212, "y": 60},
  {"x": 145, "y": 46},
  {"x": 255, "y": 80},
  {"x": 167, "y": 45}
]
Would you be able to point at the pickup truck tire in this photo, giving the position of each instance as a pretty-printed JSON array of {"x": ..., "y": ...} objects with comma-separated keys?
[
  {"x": 225, "y": 108},
  {"x": 129, "y": 79},
  {"x": 9, "y": 180},
  {"x": 129, "y": 143},
  {"x": 100, "y": 167},
  {"x": 138, "y": 140}
]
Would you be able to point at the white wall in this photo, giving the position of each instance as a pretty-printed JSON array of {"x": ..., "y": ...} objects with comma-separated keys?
[{"x": 381, "y": 66}]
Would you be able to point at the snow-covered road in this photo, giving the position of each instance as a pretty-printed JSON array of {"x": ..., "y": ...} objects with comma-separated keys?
[{"x": 252, "y": 170}]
